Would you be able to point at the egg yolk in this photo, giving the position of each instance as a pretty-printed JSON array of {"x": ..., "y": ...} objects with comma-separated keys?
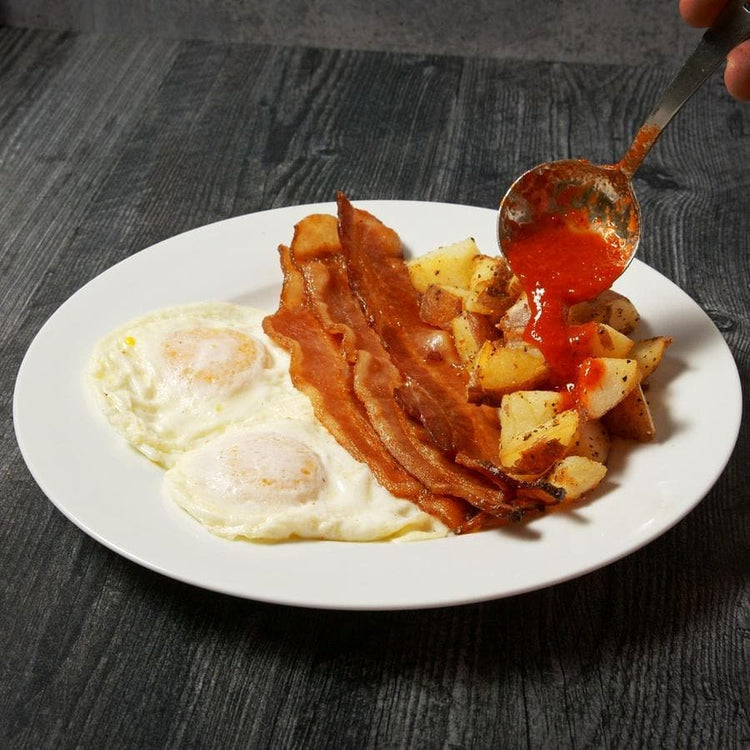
[
  {"x": 212, "y": 355},
  {"x": 269, "y": 468}
]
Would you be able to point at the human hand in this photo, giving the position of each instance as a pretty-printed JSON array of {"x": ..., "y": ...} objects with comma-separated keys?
[{"x": 703, "y": 13}]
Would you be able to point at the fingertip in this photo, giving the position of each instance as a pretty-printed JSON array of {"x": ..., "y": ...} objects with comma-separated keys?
[
  {"x": 700, "y": 13},
  {"x": 737, "y": 72}
]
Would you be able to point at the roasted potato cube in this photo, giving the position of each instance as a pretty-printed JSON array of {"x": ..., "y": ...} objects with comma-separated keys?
[
  {"x": 489, "y": 286},
  {"x": 451, "y": 265},
  {"x": 592, "y": 441},
  {"x": 516, "y": 318},
  {"x": 473, "y": 303},
  {"x": 470, "y": 331},
  {"x": 576, "y": 475},
  {"x": 522, "y": 411},
  {"x": 631, "y": 418},
  {"x": 440, "y": 304},
  {"x": 315, "y": 235},
  {"x": 489, "y": 269},
  {"x": 532, "y": 453},
  {"x": 609, "y": 307},
  {"x": 604, "y": 382},
  {"x": 499, "y": 369},
  {"x": 488, "y": 303},
  {"x": 608, "y": 342},
  {"x": 649, "y": 353}
]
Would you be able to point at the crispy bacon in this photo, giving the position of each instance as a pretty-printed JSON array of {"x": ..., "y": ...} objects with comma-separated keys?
[
  {"x": 375, "y": 382},
  {"x": 434, "y": 383},
  {"x": 388, "y": 386},
  {"x": 318, "y": 370},
  {"x": 375, "y": 378}
]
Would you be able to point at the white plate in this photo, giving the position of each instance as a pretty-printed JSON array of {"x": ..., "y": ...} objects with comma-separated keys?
[{"x": 114, "y": 494}]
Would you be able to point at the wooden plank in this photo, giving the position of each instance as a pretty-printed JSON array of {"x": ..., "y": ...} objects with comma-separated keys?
[{"x": 589, "y": 31}]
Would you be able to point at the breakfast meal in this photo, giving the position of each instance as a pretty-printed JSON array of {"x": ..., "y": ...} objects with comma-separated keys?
[{"x": 387, "y": 398}]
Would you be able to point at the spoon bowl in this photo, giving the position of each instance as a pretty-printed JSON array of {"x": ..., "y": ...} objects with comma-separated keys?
[{"x": 604, "y": 193}]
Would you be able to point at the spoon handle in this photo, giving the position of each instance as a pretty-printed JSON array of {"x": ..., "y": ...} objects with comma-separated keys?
[{"x": 730, "y": 28}]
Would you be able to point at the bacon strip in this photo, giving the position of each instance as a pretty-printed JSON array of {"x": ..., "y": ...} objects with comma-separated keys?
[
  {"x": 375, "y": 381},
  {"x": 408, "y": 441},
  {"x": 378, "y": 276},
  {"x": 318, "y": 370}
]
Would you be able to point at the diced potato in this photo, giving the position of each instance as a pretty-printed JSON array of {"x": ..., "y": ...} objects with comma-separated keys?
[
  {"x": 488, "y": 269},
  {"x": 489, "y": 286},
  {"x": 470, "y": 331},
  {"x": 592, "y": 441},
  {"x": 473, "y": 303},
  {"x": 520, "y": 344},
  {"x": 439, "y": 305},
  {"x": 515, "y": 289},
  {"x": 631, "y": 418},
  {"x": 605, "y": 381},
  {"x": 576, "y": 475},
  {"x": 316, "y": 235},
  {"x": 451, "y": 265},
  {"x": 486, "y": 302},
  {"x": 532, "y": 453},
  {"x": 608, "y": 342},
  {"x": 499, "y": 369},
  {"x": 522, "y": 411},
  {"x": 609, "y": 307},
  {"x": 649, "y": 353},
  {"x": 515, "y": 320}
]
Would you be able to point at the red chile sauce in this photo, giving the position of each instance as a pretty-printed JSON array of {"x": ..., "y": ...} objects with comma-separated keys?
[
  {"x": 644, "y": 140},
  {"x": 560, "y": 260}
]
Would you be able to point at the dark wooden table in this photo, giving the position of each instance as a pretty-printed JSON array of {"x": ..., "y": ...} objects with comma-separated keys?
[{"x": 109, "y": 145}]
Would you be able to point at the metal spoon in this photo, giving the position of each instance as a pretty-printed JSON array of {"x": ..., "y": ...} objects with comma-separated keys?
[{"x": 605, "y": 191}]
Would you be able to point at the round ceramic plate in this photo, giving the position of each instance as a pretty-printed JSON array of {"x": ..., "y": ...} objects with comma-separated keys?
[{"x": 115, "y": 495}]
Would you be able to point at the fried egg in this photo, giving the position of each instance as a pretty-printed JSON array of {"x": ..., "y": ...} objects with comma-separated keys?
[
  {"x": 201, "y": 390},
  {"x": 287, "y": 478},
  {"x": 174, "y": 378}
]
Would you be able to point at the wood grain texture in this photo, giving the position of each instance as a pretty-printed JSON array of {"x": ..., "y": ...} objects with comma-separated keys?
[
  {"x": 639, "y": 31},
  {"x": 107, "y": 146}
]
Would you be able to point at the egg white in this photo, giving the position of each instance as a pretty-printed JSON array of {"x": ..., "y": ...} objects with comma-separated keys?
[{"x": 201, "y": 390}]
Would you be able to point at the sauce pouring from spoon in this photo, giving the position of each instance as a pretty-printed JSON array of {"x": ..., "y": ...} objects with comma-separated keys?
[{"x": 569, "y": 228}]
